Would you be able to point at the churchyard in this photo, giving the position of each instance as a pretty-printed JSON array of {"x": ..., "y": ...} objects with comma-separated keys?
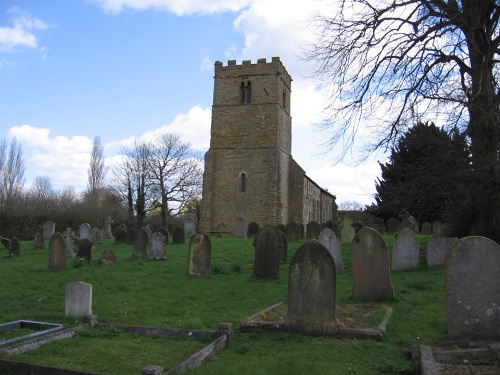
[{"x": 160, "y": 293}]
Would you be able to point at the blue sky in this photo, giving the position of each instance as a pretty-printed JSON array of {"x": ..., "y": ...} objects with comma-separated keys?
[{"x": 119, "y": 69}]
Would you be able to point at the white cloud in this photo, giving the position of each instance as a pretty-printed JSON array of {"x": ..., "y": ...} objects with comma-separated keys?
[
  {"x": 64, "y": 160},
  {"x": 21, "y": 33},
  {"x": 179, "y": 7}
]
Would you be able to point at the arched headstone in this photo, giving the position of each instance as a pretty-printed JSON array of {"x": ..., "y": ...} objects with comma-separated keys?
[{"x": 267, "y": 244}]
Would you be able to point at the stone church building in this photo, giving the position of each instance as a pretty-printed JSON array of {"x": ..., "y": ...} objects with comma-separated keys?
[{"x": 250, "y": 175}]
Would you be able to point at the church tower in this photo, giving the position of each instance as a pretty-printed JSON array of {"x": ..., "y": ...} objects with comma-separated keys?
[{"x": 247, "y": 168}]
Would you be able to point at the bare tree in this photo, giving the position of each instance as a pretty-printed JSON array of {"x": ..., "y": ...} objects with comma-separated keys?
[
  {"x": 131, "y": 180},
  {"x": 161, "y": 176},
  {"x": 12, "y": 168},
  {"x": 96, "y": 174},
  {"x": 388, "y": 63},
  {"x": 176, "y": 174}
]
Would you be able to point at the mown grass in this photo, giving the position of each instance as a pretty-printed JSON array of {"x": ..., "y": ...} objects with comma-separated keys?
[{"x": 159, "y": 293}]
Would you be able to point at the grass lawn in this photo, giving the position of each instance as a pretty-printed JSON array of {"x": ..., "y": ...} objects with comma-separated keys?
[{"x": 159, "y": 293}]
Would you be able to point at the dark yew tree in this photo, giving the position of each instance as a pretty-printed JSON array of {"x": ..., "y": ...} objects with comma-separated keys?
[
  {"x": 389, "y": 62},
  {"x": 427, "y": 174}
]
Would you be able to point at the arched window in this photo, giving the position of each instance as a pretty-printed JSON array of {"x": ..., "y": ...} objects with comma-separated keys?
[
  {"x": 242, "y": 93},
  {"x": 243, "y": 183},
  {"x": 249, "y": 92}
]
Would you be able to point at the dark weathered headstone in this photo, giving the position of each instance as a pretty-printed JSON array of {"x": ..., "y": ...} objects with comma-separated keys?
[
  {"x": 405, "y": 251},
  {"x": 328, "y": 238},
  {"x": 312, "y": 284},
  {"x": 240, "y": 228},
  {"x": 189, "y": 227},
  {"x": 5, "y": 242},
  {"x": 131, "y": 233},
  {"x": 57, "y": 253},
  {"x": 49, "y": 228},
  {"x": 371, "y": 276},
  {"x": 158, "y": 246},
  {"x": 281, "y": 227},
  {"x": 392, "y": 226},
  {"x": 312, "y": 230},
  {"x": 149, "y": 232},
  {"x": 437, "y": 228},
  {"x": 284, "y": 247},
  {"x": 164, "y": 231},
  {"x": 292, "y": 231},
  {"x": 140, "y": 245},
  {"x": 85, "y": 247},
  {"x": 108, "y": 257},
  {"x": 120, "y": 236},
  {"x": 473, "y": 289},
  {"x": 178, "y": 236},
  {"x": 200, "y": 254},
  {"x": 426, "y": 228},
  {"x": 84, "y": 231},
  {"x": 15, "y": 247},
  {"x": 267, "y": 244},
  {"x": 437, "y": 249},
  {"x": 253, "y": 228},
  {"x": 39, "y": 242}
]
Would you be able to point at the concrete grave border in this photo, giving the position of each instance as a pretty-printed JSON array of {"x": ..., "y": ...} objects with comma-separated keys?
[
  {"x": 252, "y": 324},
  {"x": 219, "y": 340},
  {"x": 18, "y": 324}
]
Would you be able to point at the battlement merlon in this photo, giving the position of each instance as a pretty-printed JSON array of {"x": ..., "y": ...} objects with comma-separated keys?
[{"x": 262, "y": 67}]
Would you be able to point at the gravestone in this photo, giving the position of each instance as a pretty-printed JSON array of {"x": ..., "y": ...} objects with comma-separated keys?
[
  {"x": 380, "y": 225},
  {"x": 178, "y": 236},
  {"x": 39, "y": 242},
  {"x": 189, "y": 227},
  {"x": 200, "y": 254},
  {"x": 409, "y": 222},
  {"x": 106, "y": 230},
  {"x": 140, "y": 245},
  {"x": 240, "y": 228},
  {"x": 57, "y": 253},
  {"x": 158, "y": 246},
  {"x": 108, "y": 257},
  {"x": 392, "y": 226},
  {"x": 267, "y": 244},
  {"x": 68, "y": 234},
  {"x": 405, "y": 251},
  {"x": 5, "y": 242},
  {"x": 131, "y": 233},
  {"x": 473, "y": 289},
  {"x": 147, "y": 229},
  {"x": 328, "y": 238},
  {"x": 96, "y": 235},
  {"x": 84, "y": 232},
  {"x": 220, "y": 230},
  {"x": 311, "y": 284},
  {"x": 253, "y": 228},
  {"x": 164, "y": 231},
  {"x": 302, "y": 232},
  {"x": 281, "y": 227},
  {"x": 85, "y": 248},
  {"x": 437, "y": 228},
  {"x": 49, "y": 228},
  {"x": 121, "y": 236},
  {"x": 371, "y": 276},
  {"x": 292, "y": 231},
  {"x": 437, "y": 249},
  {"x": 347, "y": 231},
  {"x": 74, "y": 245},
  {"x": 426, "y": 228},
  {"x": 284, "y": 247},
  {"x": 14, "y": 250},
  {"x": 78, "y": 300},
  {"x": 312, "y": 230}
]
